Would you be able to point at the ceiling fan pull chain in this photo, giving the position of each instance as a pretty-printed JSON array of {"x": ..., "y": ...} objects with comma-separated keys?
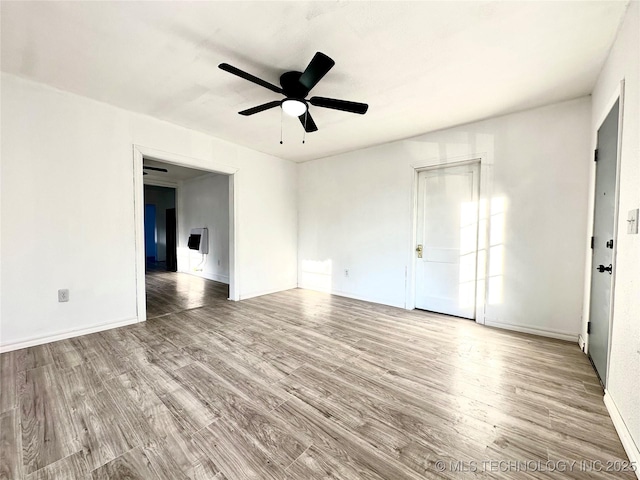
[
  {"x": 304, "y": 134},
  {"x": 281, "y": 114}
]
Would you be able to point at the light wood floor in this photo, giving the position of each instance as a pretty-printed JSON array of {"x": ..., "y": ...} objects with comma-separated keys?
[{"x": 297, "y": 385}]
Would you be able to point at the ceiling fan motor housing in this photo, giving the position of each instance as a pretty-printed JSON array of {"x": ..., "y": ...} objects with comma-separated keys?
[{"x": 290, "y": 82}]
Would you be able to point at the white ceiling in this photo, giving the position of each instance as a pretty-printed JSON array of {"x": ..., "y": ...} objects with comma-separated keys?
[
  {"x": 420, "y": 66},
  {"x": 175, "y": 173}
]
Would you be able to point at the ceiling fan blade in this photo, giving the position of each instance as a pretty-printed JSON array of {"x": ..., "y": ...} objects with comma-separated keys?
[
  {"x": 308, "y": 123},
  {"x": 260, "y": 108},
  {"x": 247, "y": 76},
  {"x": 344, "y": 105},
  {"x": 157, "y": 169},
  {"x": 318, "y": 67}
]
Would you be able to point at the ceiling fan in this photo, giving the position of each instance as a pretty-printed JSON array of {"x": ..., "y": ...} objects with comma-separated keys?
[
  {"x": 155, "y": 169},
  {"x": 295, "y": 86}
]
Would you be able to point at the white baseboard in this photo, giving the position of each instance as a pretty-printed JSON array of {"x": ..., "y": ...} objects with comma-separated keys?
[
  {"x": 245, "y": 296},
  {"x": 215, "y": 277},
  {"x": 623, "y": 432},
  {"x": 340, "y": 293},
  {"x": 571, "y": 337},
  {"x": 581, "y": 343},
  {"x": 388, "y": 303},
  {"x": 31, "y": 342},
  {"x": 209, "y": 276}
]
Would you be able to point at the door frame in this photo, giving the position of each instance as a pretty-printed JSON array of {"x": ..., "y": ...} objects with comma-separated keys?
[
  {"x": 139, "y": 154},
  {"x": 484, "y": 169},
  {"x": 618, "y": 95}
]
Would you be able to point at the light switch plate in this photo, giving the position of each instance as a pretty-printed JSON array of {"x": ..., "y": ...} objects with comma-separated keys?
[{"x": 632, "y": 221}]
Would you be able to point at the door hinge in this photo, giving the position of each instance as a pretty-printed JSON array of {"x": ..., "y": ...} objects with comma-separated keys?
[
  {"x": 595, "y": 155},
  {"x": 592, "y": 240},
  {"x": 588, "y": 328}
]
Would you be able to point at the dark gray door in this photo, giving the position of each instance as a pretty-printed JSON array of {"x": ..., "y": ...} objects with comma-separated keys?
[
  {"x": 172, "y": 255},
  {"x": 603, "y": 235}
]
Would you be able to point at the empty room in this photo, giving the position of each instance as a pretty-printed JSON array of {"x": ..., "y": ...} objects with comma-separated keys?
[{"x": 319, "y": 240}]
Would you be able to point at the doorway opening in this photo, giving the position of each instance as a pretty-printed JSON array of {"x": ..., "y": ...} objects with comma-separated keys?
[
  {"x": 445, "y": 260},
  {"x": 185, "y": 233},
  {"x": 160, "y": 228},
  {"x": 187, "y": 255}
]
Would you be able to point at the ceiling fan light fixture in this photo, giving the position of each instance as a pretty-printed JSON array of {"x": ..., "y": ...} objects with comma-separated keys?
[{"x": 293, "y": 107}]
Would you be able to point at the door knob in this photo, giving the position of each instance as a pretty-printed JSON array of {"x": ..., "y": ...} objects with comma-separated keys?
[
  {"x": 419, "y": 250},
  {"x": 603, "y": 269}
]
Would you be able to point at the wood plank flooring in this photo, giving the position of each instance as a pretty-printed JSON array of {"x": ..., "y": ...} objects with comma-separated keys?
[
  {"x": 169, "y": 292},
  {"x": 297, "y": 385}
]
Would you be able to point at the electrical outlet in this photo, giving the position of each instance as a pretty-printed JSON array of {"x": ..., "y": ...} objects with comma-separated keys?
[
  {"x": 346, "y": 272},
  {"x": 63, "y": 295}
]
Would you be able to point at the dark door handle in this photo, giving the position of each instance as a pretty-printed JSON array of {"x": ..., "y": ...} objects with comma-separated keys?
[{"x": 603, "y": 269}]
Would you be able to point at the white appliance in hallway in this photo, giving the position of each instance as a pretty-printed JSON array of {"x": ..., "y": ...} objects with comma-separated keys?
[
  {"x": 447, "y": 240},
  {"x": 199, "y": 240}
]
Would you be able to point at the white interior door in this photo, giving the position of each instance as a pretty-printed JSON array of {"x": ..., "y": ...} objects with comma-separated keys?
[{"x": 447, "y": 240}]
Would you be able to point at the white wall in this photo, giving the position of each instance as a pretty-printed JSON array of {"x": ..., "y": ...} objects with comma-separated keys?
[
  {"x": 204, "y": 202},
  {"x": 67, "y": 192},
  {"x": 355, "y": 213},
  {"x": 623, "y": 380}
]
